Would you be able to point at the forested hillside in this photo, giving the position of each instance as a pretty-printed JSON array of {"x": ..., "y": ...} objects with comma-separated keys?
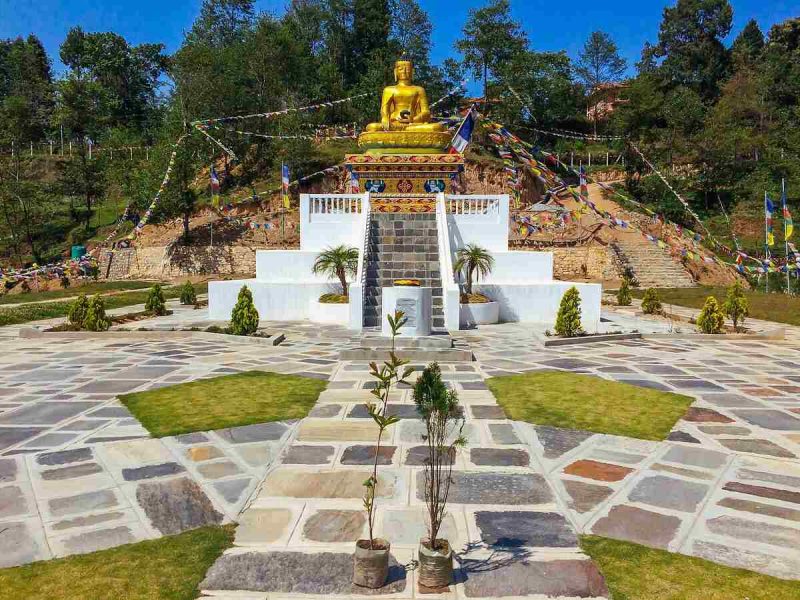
[{"x": 719, "y": 120}]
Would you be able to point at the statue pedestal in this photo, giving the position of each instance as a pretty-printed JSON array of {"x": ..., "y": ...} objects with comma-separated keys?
[
  {"x": 406, "y": 182},
  {"x": 416, "y": 304}
]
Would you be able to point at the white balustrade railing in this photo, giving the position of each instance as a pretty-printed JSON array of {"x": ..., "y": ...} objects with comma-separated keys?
[
  {"x": 450, "y": 291},
  {"x": 477, "y": 206},
  {"x": 358, "y": 287},
  {"x": 326, "y": 206}
]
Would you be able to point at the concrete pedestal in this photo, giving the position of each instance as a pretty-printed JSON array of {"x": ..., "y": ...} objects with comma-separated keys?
[{"x": 415, "y": 302}]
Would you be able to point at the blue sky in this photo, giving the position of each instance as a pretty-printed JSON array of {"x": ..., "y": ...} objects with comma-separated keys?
[{"x": 551, "y": 25}]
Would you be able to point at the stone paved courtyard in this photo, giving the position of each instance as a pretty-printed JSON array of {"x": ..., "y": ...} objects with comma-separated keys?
[{"x": 78, "y": 473}]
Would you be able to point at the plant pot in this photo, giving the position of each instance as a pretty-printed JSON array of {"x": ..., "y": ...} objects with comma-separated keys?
[
  {"x": 371, "y": 566},
  {"x": 484, "y": 313},
  {"x": 435, "y": 566}
]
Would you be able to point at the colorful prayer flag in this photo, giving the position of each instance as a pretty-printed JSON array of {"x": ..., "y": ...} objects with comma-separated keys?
[
  {"x": 769, "y": 208},
  {"x": 788, "y": 224},
  {"x": 285, "y": 185},
  {"x": 464, "y": 133}
]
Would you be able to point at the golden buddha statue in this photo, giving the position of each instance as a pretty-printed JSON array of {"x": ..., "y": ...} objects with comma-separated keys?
[{"x": 405, "y": 124}]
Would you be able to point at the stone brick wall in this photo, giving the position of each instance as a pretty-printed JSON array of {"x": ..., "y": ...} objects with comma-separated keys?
[
  {"x": 568, "y": 263},
  {"x": 154, "y": 262}
]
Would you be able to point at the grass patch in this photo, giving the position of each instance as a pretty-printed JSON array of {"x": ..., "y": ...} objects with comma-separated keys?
[
  {"x": 635, "y": 572},
  {"x": 769, "y": 307},
  {"x": 227, "y": 401},
  {"x": 169, "y": 568},
  {"x": 90, "y": 288},
  {"x": 52, "y": 310},
  {"x": 572, "y": 401}
]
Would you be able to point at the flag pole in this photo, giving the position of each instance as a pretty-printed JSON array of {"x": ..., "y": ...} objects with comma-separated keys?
[
  {"x": 785, "y": 237},
  {"x": 766, "y": 242}
]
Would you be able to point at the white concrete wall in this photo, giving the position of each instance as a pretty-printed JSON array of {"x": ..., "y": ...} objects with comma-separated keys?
[
  {"x": 538, "y": 302},
  {"x": 319, "y": 230},
  {"x": 488, "y": 230},
  {"x": 274, "y": 301},
  {"x": 286, "y": 266},
  {"x": 521, "y": 267}
]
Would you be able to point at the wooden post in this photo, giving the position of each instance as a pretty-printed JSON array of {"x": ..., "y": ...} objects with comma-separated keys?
[
  {"x": 590, "y": 159},
  {"x": 31, "y": 148},
  {"x": 571, "y": 160},
  {"x": 606, "y": 158}
]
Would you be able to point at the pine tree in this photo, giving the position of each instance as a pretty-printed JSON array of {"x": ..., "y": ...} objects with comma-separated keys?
[
  {"x": 155, "y": 303},
  {"x": 651, "y": 303},
  {"x": 568, "y": 321},
  {"x": 77, "y": 311},
  {"x": 244, "y": 318},
  {"x": 711, "y": 319},
  {"x": 188, "y": 295},
  {"x": 735, "y": 306},
  {"x": 96, "y": 319},
  {"x": 624, "y": 293}
]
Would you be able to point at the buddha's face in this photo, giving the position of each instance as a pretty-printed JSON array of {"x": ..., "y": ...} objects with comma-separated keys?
[{"x": 403, "y": 71}]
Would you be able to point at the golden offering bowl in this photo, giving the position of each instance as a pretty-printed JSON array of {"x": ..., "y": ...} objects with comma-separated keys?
[
  {"x": 406, "y": 282},
  {"x": 403, "y": 142}
]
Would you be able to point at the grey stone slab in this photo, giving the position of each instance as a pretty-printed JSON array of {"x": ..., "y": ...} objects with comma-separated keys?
[
  {"x": 724, "y": 430},
  {"x": 738, "y": 557},
  {"x": 770, "y": 419},
  {"x": 570, "y": 364},
  {"x": 11, "y": 436},
  {"x": 192, "y": 438},
  {"x": 295, "y": 573},
  {"x": 111, "y": 412},
  {"x": 365, "y": 455},
  {"x": 261, "y": 432},
  {"x": 101, "y": 539},
  {"x": 731, "y": 401},
  {"x": 45, "y": 413},
  {"x": 694, "y": 384},
  {"x": 308, "y": 455},
  {"x": 557, "y": 442},
  {"x": 109, "y": 386},
  {"x": 232, "y": 489},
  {"x": 668, "y": 492},
  {"x": 87, "y": 521},
  {"x": 760, "y": 508},
  {"x": 584, "y": 497},
  {"x": 325, "y": 411},
  {"x": 509, "y": 576},
  {"x": 146, "y": 373},
  {"x": 51, "y": 440},
  {"x": 503, "y": 433},
  {"x": 334, "y": 526},
  {"x": 691, "y": 473},
  {"x": 646, "y": 383},
  {"x": 72, "y": 472},
  {"x": 638, "y": 525},
  {"x": 82, "y": 503},
  {"x": 493, "y": 488},
  {"x": 499, "y": 457},
  {"x": 756, "y": 446},
  {"x": 176, "y": 505},
  {"x": 401, "y": 411},
  {"x": 20, "y": 545},
  {"x": 510, "y": 529},
  {"x": 754, "y": 531},
  {"x": 8, "y": 470},
  {"x": 487, "y": 411},
  {"x": 623, "y": 458},
  {"x": 12, "y": 502},
  {"x": 84, "y": 425},
  {"x": 151, "y": 471},
  {"x": 65, "y": 457},
  {"x": 217, "y": 470},
  {"x": 418, "y": 456},
  {"x": 780, "y": 479},
  {"x": 696, "y": 457}
]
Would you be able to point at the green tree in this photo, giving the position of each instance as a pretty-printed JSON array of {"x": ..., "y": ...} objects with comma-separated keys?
[
  {"x": 76, "y": 314},
  {"x": 337, "y": 262},
  {"x": 188, "y": 294},
  {"x": 711, "y": 319},
  {"x": 370, "y": 37},
  {"x": 568, "y": 320},
  {"x": 473, "y": 259},
  {"x": 736, "y": 306},
  {"x": 155, "y": 303},
  {"x": 490, "y": 38},
  {"x": 624, "y": 293},
  {"x": 748, "y": 45},
  {"x": 598, "y": 65},
  {"x": 96, "y": 319},
  {"x": 244, "y": 318},
  {"x": 651, "y": 303}
]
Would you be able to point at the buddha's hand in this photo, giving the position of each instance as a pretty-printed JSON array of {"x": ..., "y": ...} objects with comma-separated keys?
[{"x": 385, "y": 124}]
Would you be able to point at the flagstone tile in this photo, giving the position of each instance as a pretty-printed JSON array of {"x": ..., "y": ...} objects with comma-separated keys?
[
  {"x": 335, "y": 526},
  {"x": 600, "y": 471},
  {"x": 769, "y": 419},
  {"x": 762, "y": 491},
  {"x": 510, "y": 529},
  {"x": 695, "y": 457},
  {"x": 760, "y": 508},
  {"x": 557, "y": 442},
  {"x": 740, "y": 557},
  {"x": 493, "y": 488},
  {"x": 638, "y": 525},
  {"x": 756, "y": 446},
  {"x": 705, "y": 415}
]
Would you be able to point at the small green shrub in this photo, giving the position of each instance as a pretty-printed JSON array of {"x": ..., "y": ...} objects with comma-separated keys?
[
  {"x": 735, "y": 306},
  {"x": 568, "y": 321},
  {"x": 244, "y": 318},
  {"x": 76, "y": 314},
  {"x": 216, "y": 329},
  {"x": 96, "y": 319},
  {"x": 624, "y": 293},
  {"x": 155, "y": 303},
  {"x": 333, "y": 299},
  {"x": 188, "y": 295},
  {"x": 651, "y": 303},
  {"x": 711, "y": 319}
]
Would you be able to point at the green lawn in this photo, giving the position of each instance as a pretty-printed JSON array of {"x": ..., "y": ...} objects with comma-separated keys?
[
  {"x": 635, "y": 572},
  {"x": 571, "y": 401},
  {"x": 51, "y": 310},
  {"x": 169, "y": 568},
  {"x": 99, "y": 287},
  {"x": 770, "y": 307},
  {"x": 227, "y": 401}
]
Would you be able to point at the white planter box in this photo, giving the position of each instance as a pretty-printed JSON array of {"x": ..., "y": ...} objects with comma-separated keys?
[
  {"x": 485, "y": 313},
  {"x": 320, "y": 312}
]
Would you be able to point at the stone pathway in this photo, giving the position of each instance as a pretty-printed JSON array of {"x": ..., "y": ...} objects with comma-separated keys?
[{"x": 298, "y": 534}]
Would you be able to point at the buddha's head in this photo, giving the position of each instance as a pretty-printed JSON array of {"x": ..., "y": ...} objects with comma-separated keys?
[{"x": 403, "y": 71}]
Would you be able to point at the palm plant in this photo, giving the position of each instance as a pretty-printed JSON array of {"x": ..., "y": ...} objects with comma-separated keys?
[
  {"x": 337, "y": 262},
  {"x": 472, "y": 258}
]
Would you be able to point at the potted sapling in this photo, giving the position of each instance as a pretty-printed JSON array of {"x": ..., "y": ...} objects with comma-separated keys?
[
  {"x": 444, "y": 423},
  {"x": 371, "y": 558}
]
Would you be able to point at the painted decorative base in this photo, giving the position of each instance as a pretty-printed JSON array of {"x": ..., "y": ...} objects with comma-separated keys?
[
  {"x": 415, "y": 302},
  {"x": 479, "y": 314},
  {"x": 320, "y": 312}
]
